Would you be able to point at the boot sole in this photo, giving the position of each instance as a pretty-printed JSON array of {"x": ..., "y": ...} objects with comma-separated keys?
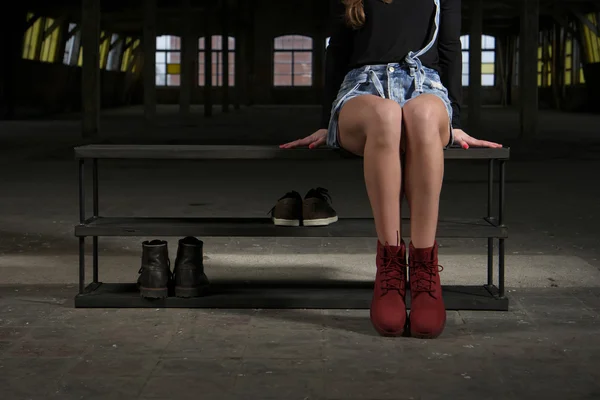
[
  {"x": 435, "y": 335},
  {"x": 154, "y": 293},
  {"x": 184, "y": 292}
]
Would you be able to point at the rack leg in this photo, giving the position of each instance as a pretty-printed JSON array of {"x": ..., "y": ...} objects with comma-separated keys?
[
  {"x": 501, "y": 268},
  {"x": 490, "y": 261},
  {"x": 81, "y": 265},
  {"x": 501, "y": 211},
  {"x": 96, "y": 214},
  {"x": 81, "y": 221}
]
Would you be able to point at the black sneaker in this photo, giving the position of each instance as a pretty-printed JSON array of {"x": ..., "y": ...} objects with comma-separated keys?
[
  {"x": 288, "y": 210},
  {"x": 316, "y": 208}
]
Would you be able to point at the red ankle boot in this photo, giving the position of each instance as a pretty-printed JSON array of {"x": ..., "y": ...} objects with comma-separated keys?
[
  {"x": 427, "y": 310},
  {"x": 388, "y": 309}
]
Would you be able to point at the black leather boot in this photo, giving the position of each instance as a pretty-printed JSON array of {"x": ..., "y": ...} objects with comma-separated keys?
[
  {"x": 189, "y": 276},
  {"x": 155, "y": 273}
]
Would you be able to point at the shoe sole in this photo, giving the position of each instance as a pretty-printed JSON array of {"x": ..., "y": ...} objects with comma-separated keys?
[
  {"x": 154, "y": 293},
  {"x": 286, "y": 222},
  {"x": 435, "y": 335},
  {"x": 320, "y": 221},
  {"x": 187, "y": 293}
]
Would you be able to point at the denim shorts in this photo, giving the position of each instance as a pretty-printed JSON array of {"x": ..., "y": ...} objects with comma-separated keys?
[{"x": 393, "y": 81}]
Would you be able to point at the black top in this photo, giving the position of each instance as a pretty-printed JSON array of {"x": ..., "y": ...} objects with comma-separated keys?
[{"x": 389, "y": 33}]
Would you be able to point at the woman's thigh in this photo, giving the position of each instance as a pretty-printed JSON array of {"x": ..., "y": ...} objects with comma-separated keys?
[{"x": 366, "y": 115}]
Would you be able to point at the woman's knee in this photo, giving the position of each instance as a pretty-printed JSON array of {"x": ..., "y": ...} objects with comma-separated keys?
[
  {"x": 383, "y": 123},
  {"x": 424, "y": 119}
]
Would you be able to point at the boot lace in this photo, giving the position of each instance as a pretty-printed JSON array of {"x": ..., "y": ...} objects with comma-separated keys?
[
  {"x": 423, "y": 275},
  {"x": 393, "y": 274}
]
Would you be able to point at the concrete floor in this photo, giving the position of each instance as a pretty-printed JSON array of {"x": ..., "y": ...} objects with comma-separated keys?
[{"x": 546, "y": 347}]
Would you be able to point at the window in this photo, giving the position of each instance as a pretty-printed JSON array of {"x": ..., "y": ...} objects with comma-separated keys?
[
  {"x": 292, "y": 61},
  {"x": 129, "y": 54},
  {"x": 30, "y": 41},
  {"x": 50, "y": 42},
  {"x": 168, "y": 60},
  {"x": 104, "y": 46},
  {"x": 544, "y": 67},
  {"x": 488, "y": 60},
  {"x": 72, "y": 46},
  {"x": 217, "y": 60},
  {"x": 114, "y": 53},
  {"x": 591, "y": 40}
]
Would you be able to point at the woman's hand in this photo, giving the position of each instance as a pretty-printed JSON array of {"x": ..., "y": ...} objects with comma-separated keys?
[
  {"x": 465, "y": 141},
  {"x": 313, "y": 141}
]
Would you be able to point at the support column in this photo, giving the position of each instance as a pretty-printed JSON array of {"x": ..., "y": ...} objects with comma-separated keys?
[
  {"x": 189, "y": 48},
  {"x": 251, "y": 51},
  {"x": 149, "y": 43},
  {"x": 12, "y": 29},
  {"x": 475, "y": 32},
  {"x": 528, "y": 87},
  {"x": 90, "y": 84},
  {"x": 320, "y": 9},
  {"x": 208, "y": 61},
  {"x": 239, "y": 56},
  {"x": 225, "y": 72},
  {"x": 509, "y": 65}
]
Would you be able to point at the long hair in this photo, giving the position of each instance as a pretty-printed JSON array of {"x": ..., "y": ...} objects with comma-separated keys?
[{"x": 355, "y": 12}]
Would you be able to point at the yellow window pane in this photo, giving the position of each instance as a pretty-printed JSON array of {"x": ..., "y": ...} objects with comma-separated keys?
[
  {"x": 48, "y": 52},
  {"x": 103, "y": 51},
  {"x": 581, "y": 77},
  {"x": 125, "y": 60},
  {"x": 173, "y": 69},
  {"x": 569, "y": 47},
  {"x": 80, "y": 60},
  {"x": 568, "y": 78},
  {"x": 539, "y": 53},
  {"x": 30, "y": 42},
  {"x": 569, "y": 62},
  {"x": 487, "y": 68},
  {"x": 539, "y": 79},
  {"x": 540, "y": 66}
]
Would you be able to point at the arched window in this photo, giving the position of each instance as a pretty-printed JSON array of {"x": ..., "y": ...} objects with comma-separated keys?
[
  {"x": 488, "y": 60},
  {"x": 168, "y": 60},
  {"x": 217, "y": 61},
  {"x": 292, "y": 61}
]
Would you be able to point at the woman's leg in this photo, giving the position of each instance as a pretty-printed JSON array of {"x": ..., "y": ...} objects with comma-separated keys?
[
  {"x": 370, "y": 126},
  {"x": 427, "y": 131}
]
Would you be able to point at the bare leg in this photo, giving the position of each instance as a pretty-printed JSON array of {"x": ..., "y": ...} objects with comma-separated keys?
[
  {"x": 427, "y": 132},
  {"x": 370, "y": 126}
]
